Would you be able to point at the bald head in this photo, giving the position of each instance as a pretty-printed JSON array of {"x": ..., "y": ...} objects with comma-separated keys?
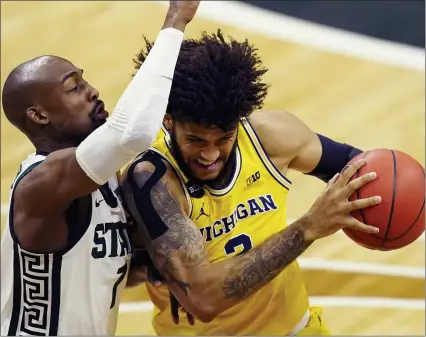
[
  {"x": 25, "y": 82},
  {"x": 48, "y": 99}
]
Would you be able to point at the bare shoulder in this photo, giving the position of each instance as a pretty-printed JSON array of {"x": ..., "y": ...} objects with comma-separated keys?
[
  {"x": 282, "y": 133},
  {"x": 40, "y": 201},
  {"x": 44, "y": 182}
]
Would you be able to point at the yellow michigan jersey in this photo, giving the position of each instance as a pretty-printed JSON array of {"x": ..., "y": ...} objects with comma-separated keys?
[{"x": 234, "y": 219}]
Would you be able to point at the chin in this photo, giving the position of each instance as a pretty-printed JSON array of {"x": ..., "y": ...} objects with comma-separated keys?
[
  {"x": 207, "y": 176},
  {"x": 97, "y": 123}
]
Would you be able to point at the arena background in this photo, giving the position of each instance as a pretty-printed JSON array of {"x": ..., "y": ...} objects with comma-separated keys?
[{"x": 367, "y": 91}]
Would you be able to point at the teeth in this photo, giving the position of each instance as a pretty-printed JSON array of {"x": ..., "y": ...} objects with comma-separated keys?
[{"x": 204, "y": 163}]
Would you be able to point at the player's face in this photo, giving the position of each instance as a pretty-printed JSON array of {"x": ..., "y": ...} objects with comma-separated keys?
[
  {"x": 72, "y": 107},
  {"x": 204, "y": 150}
]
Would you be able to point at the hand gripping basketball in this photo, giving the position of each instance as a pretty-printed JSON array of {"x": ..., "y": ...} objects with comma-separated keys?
[{"x": 332, "y": 210}]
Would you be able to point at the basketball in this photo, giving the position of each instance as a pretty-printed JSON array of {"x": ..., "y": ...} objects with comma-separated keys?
[{"x": 401, "y": 215}]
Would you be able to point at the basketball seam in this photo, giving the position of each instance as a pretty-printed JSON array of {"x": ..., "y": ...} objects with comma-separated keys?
[
  {"x": 417, "y": 217},
  {"x": 355, "y": 234},
  {"x": 361, "y": 211},
  {"x": 393, "y": 200}
]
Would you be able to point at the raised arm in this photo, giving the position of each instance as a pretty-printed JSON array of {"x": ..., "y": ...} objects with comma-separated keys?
[
  {"x": 155, "y": 200},
  {"x": 65, "y": 175}
]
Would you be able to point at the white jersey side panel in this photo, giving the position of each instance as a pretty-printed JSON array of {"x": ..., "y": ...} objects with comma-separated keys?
[{"x": 75, "y": 292}]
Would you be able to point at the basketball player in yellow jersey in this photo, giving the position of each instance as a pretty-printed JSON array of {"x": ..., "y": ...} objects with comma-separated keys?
[{"x": 210, "y": 200}]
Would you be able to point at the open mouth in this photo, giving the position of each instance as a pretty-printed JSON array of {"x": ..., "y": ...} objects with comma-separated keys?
[{"x": 209, "y": 166}]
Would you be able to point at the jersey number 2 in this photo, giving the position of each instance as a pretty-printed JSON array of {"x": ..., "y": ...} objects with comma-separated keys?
[
  {"x": 122, "y": 272},
  {"x": 243, "y": 240}
]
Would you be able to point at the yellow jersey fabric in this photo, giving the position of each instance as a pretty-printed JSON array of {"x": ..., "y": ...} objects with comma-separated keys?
[
  {"x": 316, "y": 325},
  {"x": 242, "y": 215}
]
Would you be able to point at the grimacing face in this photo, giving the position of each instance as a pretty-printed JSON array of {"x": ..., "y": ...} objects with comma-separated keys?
[{"x": 203, "y": 150}]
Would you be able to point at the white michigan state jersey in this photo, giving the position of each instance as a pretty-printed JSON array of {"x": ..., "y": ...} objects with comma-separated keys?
[{"x": 73, "y": 292}]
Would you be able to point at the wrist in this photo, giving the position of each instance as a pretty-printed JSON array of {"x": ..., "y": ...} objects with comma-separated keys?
[
  {"x": 304, "y": 225},
  {"x": 175, "y": 22}
]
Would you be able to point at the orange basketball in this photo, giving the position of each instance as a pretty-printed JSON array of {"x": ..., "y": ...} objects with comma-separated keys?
[{"x": 401, "y": 214}]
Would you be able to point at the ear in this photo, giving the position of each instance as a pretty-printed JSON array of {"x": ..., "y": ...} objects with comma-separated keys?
[
  {"x": 168, "y": 122},
  {"x": 37, "y": 115}
]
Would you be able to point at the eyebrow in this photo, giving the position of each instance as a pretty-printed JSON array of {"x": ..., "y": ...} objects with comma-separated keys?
[
  {"x": 193, "y": 136},
  {"x": 230, "y": 134},
  {"x": 71, "y": 74}
]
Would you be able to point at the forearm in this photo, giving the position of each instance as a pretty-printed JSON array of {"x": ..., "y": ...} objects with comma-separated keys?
[
  {"x": 145, "y": 99},
  {"x": 138, "y": 115},
  {"x": 227, "y": 283},
  {"x": 136, "y": 276}
]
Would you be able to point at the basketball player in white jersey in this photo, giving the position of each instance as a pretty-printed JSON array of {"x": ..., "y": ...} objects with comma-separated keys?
[{"x": 65, "y": 251}]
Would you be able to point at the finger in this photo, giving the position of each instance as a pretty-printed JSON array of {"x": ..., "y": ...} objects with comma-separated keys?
[
  {"x": 190, "y": 318},
  {"x": 174, "y": 308},
  {"x": 363, "y": 203},
  {"x": 157, "y": 284},
  {"x": 359, "y": 226},
  {"x": 333, "y": 180},
  {"x": 359, "y": 182},
  {"x": 350, "y": 171}
]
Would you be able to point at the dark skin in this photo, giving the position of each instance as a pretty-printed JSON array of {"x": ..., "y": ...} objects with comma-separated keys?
[
  {"x": 48, "y": 99},
  {"x": 61, "y": 110}
]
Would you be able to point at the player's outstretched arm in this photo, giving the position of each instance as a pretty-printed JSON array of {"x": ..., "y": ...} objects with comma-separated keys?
[
  {"x": 156, "y": 202},
  {"x": 65, "y": 175},
  {"x": 290, "y": 143}
]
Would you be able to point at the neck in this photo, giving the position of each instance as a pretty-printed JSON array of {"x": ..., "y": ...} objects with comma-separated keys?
[{"x": 44, "y": 146}]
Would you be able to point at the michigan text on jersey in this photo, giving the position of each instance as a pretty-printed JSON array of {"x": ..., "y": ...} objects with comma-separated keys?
[{"x": 249, "y": 208}]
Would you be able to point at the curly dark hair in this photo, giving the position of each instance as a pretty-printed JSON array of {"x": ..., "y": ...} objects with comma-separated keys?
[{"x": 215, "y": 82}]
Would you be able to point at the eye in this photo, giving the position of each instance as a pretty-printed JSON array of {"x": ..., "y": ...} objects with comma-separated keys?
[
  {"x": 227, "y": 138},
  {"x": 194, "y": 139},
  {"x": 75, "y": 88}
]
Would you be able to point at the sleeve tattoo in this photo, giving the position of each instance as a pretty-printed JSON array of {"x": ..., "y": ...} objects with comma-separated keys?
[
  {"x": 260, "y": 265},
  {"x": 180, "y": 250},
  {"x": 181, "y": 246}
]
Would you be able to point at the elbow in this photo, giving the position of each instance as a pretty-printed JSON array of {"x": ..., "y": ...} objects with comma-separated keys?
[
  {"x": 135, "y": 140},
  {"x": 143, "y": 127},
  {"x": 206, "y": 312},
  {"x": 205, "y": 315}
]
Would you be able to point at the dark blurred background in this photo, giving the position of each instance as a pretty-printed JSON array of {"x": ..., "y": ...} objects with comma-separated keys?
[{"x": 382, "y": 19}]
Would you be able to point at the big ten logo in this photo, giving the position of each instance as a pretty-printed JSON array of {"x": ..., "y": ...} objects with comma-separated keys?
[
  {"x": 253, "y": 178},
  {"x": 195, "y": 191},
  {"x": 110, "y": 240}
]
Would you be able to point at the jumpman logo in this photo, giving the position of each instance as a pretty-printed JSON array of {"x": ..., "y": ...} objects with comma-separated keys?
[{"x": 202, "y": 212}]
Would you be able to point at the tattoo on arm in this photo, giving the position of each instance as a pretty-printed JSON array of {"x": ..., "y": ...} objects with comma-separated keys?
[
  {"x": 258, "y": 266},
  {"x": 181, "y": 246}
]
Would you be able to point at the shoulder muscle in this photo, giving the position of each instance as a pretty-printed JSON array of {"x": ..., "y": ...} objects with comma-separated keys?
[
  {"x": 50, "y": 187},
  {"x": 286, "y": 139}
]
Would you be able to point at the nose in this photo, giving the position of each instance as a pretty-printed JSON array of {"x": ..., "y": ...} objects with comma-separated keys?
[
  {"x": 210, "y": 154},
  {"x": 92, "y": 93}
]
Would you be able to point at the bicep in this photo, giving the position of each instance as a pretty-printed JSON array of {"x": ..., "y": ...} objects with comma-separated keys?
[
  {"x": 54, "y": 184},
  {"x": 288, "y": 141},
  {"x": 175, "y": 244},
  {"x": 308, "y": 155}
]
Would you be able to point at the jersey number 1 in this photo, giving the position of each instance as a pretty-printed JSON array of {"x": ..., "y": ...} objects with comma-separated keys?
[
  {"x": 122, "y": 272},
  {"x": 243, "y": 240}
]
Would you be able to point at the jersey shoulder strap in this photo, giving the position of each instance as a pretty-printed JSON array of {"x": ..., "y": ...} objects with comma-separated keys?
[{"x": 32, "y": 161}]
